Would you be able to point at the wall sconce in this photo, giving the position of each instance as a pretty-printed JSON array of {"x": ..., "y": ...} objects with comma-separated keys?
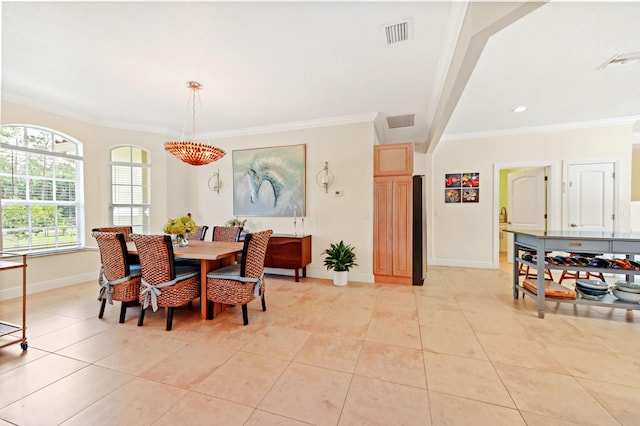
[
  {"x": 324, "y": 178},
  {"x": 215, "y": 183}
]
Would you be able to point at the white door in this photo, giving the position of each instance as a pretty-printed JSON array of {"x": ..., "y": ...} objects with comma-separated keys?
[
  {"x": 527, "y": 203},
  {"x": 590, "y": 192}
]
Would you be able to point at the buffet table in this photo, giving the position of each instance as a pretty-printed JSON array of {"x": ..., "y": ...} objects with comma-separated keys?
[{"x": 600, "y": 243}]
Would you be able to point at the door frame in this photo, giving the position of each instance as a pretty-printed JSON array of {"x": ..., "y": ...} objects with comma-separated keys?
[
  {"x": 565, "y": 187},
  {"x": 552, "y": 195}
]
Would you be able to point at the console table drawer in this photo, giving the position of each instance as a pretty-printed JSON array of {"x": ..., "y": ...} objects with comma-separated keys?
[{"x": 289, "y": 252}]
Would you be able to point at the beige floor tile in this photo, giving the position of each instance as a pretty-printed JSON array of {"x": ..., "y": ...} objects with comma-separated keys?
[
  {"x": 229, "y": 334},
  {"x": 345, "y": 324},
  {"x": 67, "y": 336},
  {"x": 444, "y": 320},
  {"x": 336, "y": 353},
  {"x": 599, "y": 366},
  {"x": 138, "y": 355},
  {"x": 294, "y": 317},
  {"x": 401, "y": 332},
  {"x": 101, "y": 345},
  {"x": 278, "y": 342},
  {"x": 623, "y": 402},
  {"x": 63, "y": 399},
  {"x": 262, "y": 418},
  {"x": 465, "y": 377},
  {"x": 245, "y": 378},
  {"x": 396, "y": 364},
  {"x": 376, "y": 402},
  {"x": 500, "y": 325},
  {"x": 439, "y": 302},
  {"x": 47, "y": 324},
  {"x": 189, "y": 365},
  {"x": 140, "y": 401},
  {"x": 13, "y": 356},
  {"x": 520, "y": 351},
  {"x": 534, "y": 419},
  {"x": 553, "y": 395},
  {"x": 308, "y": 393},
  {"x": 453, "y": 410},
  {"x": 35, "y": 375},
  {"x": 453, "y": 341},
  {"x": 197, "y": 409}
]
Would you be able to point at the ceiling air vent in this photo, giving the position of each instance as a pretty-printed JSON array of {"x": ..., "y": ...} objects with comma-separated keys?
[
  {"x": 397, "y": 32},
  {"x": 398, "y": 121}
]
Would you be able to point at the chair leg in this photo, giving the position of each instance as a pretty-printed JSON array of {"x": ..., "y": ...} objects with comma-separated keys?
[
  {"x": 102, "y": 305},
  {"x": 169, "y": 318},
  {"x": 264, "y": 305},
  {"x": 245, "y": 314},
  {"x": 210, "y": 310},
  {"x": 141, "y": 318},
  {"x": 123, "y": 311}
]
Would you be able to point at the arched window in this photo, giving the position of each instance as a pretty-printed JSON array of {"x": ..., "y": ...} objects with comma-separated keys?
[
  {"x": 131, "y": 188},
  {"x": 41, "y": 190}
]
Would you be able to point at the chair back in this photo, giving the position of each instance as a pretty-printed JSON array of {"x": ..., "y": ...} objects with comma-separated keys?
[
  {"x": 200, "y": 233},
  {"x": 227, "y": 233},
  {"x": 125, "y": 230},
  {"x": 113, "y": 254},
  {"x": 156, "y": 257},
  {"x": 253, "y": 253}
]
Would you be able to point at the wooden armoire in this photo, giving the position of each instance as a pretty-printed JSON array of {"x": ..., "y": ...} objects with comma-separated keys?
[{"x": 392, "y": 214}]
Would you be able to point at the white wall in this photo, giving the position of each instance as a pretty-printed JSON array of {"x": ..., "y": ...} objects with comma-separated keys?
[
  {"x": 349, "y": 151},
  {"x": 51, "y": 271},
  {"x": 464, "y": 234}
]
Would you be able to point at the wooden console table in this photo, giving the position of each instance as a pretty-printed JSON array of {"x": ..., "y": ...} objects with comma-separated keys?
[{"x": 289, "y": 252}]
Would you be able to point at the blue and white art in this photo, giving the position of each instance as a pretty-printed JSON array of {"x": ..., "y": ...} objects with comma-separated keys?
[{"x": 269, "y": 181}]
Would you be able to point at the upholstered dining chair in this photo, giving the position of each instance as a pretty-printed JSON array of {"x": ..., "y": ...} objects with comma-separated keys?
[
  {"x": 165, "y": 284},
  {"x": 226, "y": 233},
  {"x": 119, "y": 280},
  {"x": 200, "y": 233},
  {"x": 126, "y": 231},
  {"x": 242, "y": 282}
]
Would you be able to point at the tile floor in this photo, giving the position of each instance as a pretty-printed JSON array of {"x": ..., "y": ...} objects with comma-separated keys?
[{"x": 456, "y": 351}]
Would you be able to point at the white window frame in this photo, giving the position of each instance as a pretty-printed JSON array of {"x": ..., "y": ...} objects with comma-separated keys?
[
  {"x": 145, "y": 227},
  {"x": 59, "y": 244}
]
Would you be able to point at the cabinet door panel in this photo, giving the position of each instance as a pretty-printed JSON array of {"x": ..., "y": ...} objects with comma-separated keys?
[
  {"x": 383, "y": 226},
  {"x": 285, "y": 253},
  {"x": 402, "y": 198}
]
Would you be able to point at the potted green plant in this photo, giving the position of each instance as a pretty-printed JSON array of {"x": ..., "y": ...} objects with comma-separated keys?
[{"x": 340, "y": 258}]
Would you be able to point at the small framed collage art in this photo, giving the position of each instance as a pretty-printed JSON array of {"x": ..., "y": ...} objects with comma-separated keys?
[{"x": 462, "y": 187}]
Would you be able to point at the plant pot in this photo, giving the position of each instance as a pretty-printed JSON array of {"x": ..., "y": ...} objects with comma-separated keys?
[{"x": 340, "y": 278}]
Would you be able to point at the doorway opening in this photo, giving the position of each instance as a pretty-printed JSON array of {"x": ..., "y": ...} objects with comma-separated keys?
[{"x": 523, "y": 201}]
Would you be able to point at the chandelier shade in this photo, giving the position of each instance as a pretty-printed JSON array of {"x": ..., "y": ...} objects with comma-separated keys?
[{"x": 189, "y": 151}]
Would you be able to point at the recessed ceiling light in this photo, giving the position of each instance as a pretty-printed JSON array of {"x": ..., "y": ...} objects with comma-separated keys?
[{"x": 520, "y": 108}]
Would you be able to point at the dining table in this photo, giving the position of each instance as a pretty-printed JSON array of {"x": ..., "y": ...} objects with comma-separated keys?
[{"x": 211, "y": 254}]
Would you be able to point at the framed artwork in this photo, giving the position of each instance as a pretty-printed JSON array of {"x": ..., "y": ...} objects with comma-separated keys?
[
  {"x": 452, "y": 180},
  {"x": 462, "y": 187},
  {"x": 452, "y": 195},
  {"x": 269, "y": 181},
  {"x": 470, "y": 195}
]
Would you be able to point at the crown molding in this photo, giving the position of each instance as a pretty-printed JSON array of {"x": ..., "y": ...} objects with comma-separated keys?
[
  {"x": 85, "y": 118},
  {"x": 542, "y": 129},
  {"x": 124, "y": 125}
]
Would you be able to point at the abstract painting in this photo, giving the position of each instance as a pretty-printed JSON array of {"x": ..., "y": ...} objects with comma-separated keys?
[{"x": 269, "y": 181}]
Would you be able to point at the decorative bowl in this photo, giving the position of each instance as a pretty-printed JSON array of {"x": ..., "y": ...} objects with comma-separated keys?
[
  {"x": 592, "y": 284},
  {"x": 628, "y": 287},
  {"x": 626, "y": 297},
  {"x": 585, "y": 295}
]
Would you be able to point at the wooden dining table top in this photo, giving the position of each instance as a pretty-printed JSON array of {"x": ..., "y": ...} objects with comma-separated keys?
[{"x": 204, "y": 250}]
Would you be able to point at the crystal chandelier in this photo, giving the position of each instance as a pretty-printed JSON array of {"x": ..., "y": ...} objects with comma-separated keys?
[{"x": 190, "y": 151}]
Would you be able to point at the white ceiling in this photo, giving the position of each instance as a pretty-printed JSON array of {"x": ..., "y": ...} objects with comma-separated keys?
[{"x": 278, "y": 65}]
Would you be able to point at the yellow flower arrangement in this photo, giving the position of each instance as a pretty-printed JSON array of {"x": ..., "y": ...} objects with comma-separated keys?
[{"x": 180, "y": 226}]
